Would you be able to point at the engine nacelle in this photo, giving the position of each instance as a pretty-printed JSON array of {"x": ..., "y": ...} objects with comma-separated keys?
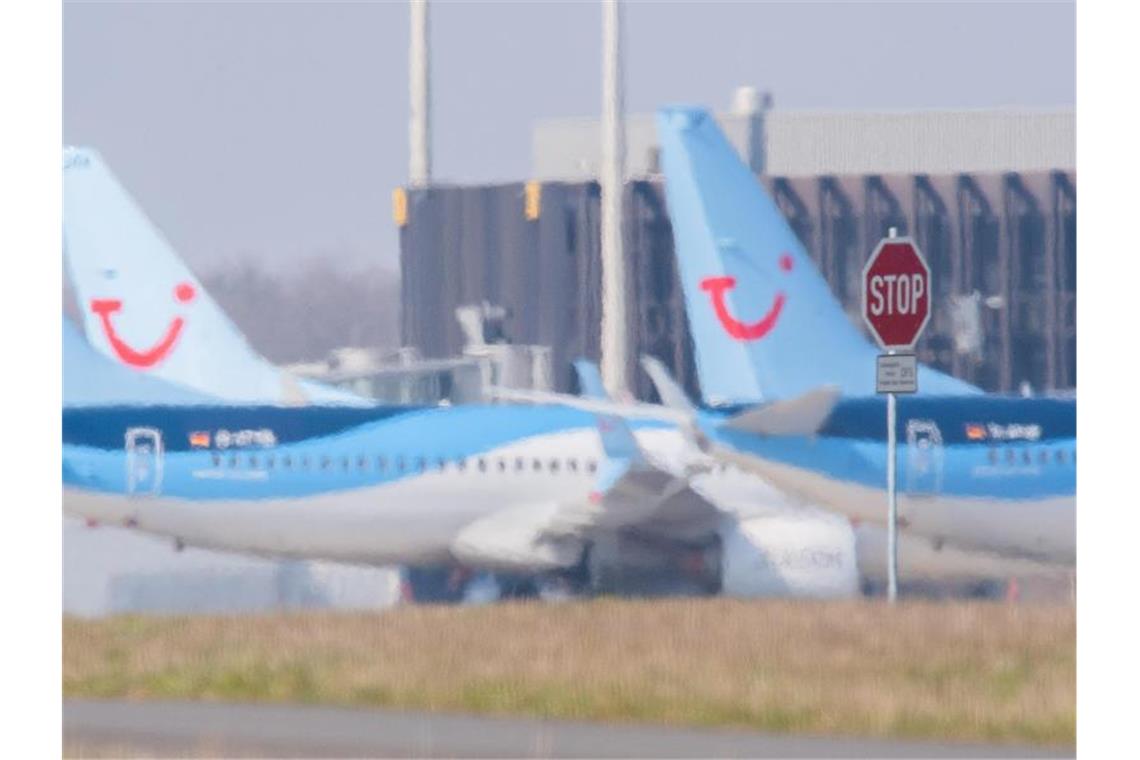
[{"x": 789, "y": 556}]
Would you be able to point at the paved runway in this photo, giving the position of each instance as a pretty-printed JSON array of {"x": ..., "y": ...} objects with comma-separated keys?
[{"x": 206, "y": 730}]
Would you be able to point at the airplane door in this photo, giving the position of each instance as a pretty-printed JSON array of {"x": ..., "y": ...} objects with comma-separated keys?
[
  {"x": 144, "y": 461},
  {"x": 924, "y": 458}
]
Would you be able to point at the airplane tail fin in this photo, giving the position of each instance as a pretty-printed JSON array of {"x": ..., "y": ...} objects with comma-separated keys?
[
  {"x": 765, "y": 324},
  {"x": 144, "y": 309}
]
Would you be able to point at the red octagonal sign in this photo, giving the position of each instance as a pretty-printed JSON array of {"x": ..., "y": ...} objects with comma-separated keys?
[{"x": 896, "y": 293}]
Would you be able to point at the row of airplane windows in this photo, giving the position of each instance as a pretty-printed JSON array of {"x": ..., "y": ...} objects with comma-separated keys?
[
  {"x": 402, "y": 464},
  {"x": 1011, "y": 456}
]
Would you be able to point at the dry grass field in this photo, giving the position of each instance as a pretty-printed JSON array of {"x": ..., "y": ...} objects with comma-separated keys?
[{"x": 981, "y": 671}]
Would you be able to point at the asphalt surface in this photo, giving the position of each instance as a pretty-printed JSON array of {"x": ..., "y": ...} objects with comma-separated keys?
[{"x": 212, "y": 729}]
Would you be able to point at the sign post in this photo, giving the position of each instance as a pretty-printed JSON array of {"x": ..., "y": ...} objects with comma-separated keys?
[{"x": 896, "y": 308}]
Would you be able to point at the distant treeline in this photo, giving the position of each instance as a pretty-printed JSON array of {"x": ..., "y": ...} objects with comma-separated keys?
[{"x": 302, "y": 313}]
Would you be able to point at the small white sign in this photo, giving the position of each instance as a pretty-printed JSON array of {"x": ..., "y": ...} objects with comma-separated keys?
[{"x": 896, "y": 373}]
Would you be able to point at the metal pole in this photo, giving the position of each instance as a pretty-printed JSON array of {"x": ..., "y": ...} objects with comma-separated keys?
[
  {"x": 614, "y": 297},
  {"x": 892, "y": 504},
  {"x": 419, "y": 86}
]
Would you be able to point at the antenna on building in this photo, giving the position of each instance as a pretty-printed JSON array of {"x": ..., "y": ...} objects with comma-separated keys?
[
  {"x": 419, "y": 86},
  {"x": 615, "y": 351}
]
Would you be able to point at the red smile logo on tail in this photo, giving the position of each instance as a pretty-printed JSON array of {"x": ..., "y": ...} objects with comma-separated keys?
[
  {"x": 718, "y": 287},
  {"x": 105, "y": 307}
]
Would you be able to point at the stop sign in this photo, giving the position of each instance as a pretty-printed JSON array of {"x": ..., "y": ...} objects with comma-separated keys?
[{"x": 896, "y": 293}]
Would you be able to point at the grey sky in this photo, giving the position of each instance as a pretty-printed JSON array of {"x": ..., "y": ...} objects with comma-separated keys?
[{"x": 278, "y": 129}]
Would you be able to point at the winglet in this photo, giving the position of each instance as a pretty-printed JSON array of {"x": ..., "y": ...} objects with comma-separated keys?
[
  {"x": 618, "y": 441},
  {"x": 590, "y": 379},
  {"x": 672, "y": 395}
]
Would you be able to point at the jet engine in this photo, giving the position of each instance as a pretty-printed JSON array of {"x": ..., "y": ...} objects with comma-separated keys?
[{"x": 788, "y": 556}]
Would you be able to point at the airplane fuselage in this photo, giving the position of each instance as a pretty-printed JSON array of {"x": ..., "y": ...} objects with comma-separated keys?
[
  {"x": 376, "y": 486},
  {"x": 987, "y": 473}
]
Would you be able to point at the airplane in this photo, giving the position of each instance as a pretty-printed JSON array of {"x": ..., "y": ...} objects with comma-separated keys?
[
  {"x": 146, "y": 311},
  {"x": 980, "y": 471},
  {"x": 570, "y": 497}
]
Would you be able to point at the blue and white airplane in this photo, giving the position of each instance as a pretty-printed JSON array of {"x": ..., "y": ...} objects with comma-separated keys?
[
  {"x": 982, "y": 472},
  {"x": 512, "y": 489}
]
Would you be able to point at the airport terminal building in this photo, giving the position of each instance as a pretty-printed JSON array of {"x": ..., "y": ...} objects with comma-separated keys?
[{"x": 990, "y": 196}]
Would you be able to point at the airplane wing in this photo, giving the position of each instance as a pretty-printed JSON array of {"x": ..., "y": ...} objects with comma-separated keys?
[{"x": 633, "y": 492}]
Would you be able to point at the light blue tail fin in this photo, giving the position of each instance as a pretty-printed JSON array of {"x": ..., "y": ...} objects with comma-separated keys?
[
  {"x": 145, "y": 310},
  {"x": 764, "y": 321}
]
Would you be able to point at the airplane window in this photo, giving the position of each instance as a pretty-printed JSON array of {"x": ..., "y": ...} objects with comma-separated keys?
[
  {"x": 1043, "y": 457},
  {"x": 217, "y": 459},
  {"x": 461, "y": 463},
  {"x": 421, "y": 464},
  {"x": 325, "y": 462},
  {"x": 381, "y": 463},
  {"x": 253, "y": 461},
  {"x": 305, "y": 462},
  {"x": 537, "y": 465},
  {"x": 554, "y": 465},
  {"x": 1010, "y": 456},
  {"x": 591, "y": 466},
  {"x": 519, "y": 464},
  {"x": 441, "y": 463},
  {"x": 482, "y": 464},
  {"x": 344, "y": 463},
  {"x": 572, "y": 465},
  {"x": 287, "y": 462},
  {"x": 502, "y": 465},
  {"x": 400, "y": 464},
  {"x": 270, "y": 462},
  {"x": 1026, "y": 457},
  {"x": 233, "y": 460},
  {"x": 993, "y": 455},
  {"x": 361, "y": 462}
]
